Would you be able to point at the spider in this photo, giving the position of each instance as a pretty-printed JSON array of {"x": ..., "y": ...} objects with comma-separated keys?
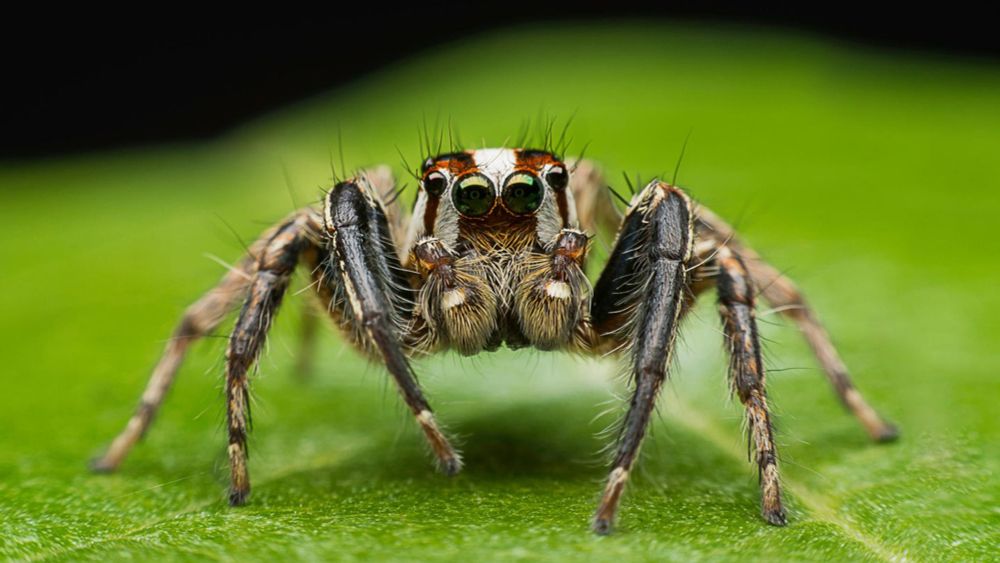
[{"x": 494, "y": 254}]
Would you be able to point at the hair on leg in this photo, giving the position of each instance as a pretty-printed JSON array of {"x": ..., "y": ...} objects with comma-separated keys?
[
  {"x": 277, "y": 261},
  {"x": 746, "y": 374},
  {"x": 363, "y": 268},
  {"x": 639, "y": 298},
  {"x": 782, "y": 294},
  {"x": 200, "y": 319}
]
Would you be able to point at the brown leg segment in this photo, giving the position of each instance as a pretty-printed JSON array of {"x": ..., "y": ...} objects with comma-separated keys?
[
  {"x": 274, "y": 269},
  {"x": 746, "y": 374},
  {"x": 201, "y": 318},
  {"x": 782, "y": 294}
]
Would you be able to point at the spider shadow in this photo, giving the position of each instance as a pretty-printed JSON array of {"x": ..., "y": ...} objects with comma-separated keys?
[
  {"x": 551, "y": 438},
  {"x": 534, "y": 444},
  {"x": 535, "y": 439}
]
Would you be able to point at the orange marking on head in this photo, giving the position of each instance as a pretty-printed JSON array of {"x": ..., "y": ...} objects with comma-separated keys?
[
  {"x": 455, "y": 163},
  {"x": 535, "y": 160}
]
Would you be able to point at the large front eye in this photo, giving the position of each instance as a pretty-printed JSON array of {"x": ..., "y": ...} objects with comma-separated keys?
[
  {"x": 523, "y": 193},
  {"x": 473, "y": 196}
]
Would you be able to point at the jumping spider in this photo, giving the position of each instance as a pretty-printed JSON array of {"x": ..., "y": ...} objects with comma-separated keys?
[{"x": 494, "y": 254}]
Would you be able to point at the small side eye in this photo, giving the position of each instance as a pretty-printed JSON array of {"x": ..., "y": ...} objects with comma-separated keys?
[
  {"x": 557, "y": 178},
  {"x": 473, "y": 196},
  {"x": 522, "y": 194},
  {"x": 435, "y": 183}
]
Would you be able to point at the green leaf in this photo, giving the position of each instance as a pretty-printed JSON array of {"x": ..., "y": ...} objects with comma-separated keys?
[{"x": 870, "y": 177}]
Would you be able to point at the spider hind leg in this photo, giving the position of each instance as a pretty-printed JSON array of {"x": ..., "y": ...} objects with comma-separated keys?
[
  {"x": 199, "y": 320},
  {"x": 746, "y": 374},
  {"x": 782, "y": 294},
  {"x": 275, "y": 266}
]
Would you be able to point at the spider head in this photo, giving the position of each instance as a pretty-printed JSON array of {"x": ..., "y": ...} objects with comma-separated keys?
[{"x": 495, "y": 186}]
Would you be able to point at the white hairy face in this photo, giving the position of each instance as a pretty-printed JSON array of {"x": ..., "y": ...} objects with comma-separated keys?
[{"x": 504, "y": 185}]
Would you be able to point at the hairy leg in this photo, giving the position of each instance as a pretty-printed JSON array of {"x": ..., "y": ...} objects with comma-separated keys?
[
  {"x": 382, "y": 182},
  {"x": 370, "y": 296},
  {"x": 594, "y": 208},
  {"x": 746, "y": 374},
  {"x": 784, "y": 296},
  {"x": 639, "y": 298},
  {"x": 275, "y": 266},
  {"x": 200, "y": 319}
]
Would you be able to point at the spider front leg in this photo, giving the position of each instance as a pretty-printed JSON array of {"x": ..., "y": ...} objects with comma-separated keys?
[
  {"x": 638, "y": 300},
  {"x": 363, "y": 278},
  {"x": 382, "y": 181}
]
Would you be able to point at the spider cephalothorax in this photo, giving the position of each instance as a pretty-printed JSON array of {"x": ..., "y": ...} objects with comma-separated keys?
[
  {"x": 493, "y": 254},
  {"x": 498, "y": 252}
]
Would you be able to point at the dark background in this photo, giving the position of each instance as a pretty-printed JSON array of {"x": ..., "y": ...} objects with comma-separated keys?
[{"x": 95, "y": 81}]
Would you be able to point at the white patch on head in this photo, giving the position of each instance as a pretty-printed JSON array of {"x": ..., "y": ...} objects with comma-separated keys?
[
  {"x": 496, "y": 164},
  {"x": 452, "y": 298},
  {"x": 558, "y": 289}
]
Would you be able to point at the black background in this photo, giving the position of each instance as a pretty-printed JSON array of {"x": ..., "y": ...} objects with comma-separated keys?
[{"x": 84, "y": 82}]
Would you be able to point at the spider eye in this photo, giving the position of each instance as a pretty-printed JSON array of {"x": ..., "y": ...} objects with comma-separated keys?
[
  {"x": 435, "y": 183},
  {"x": 557, "y": 178},
  {"x": 523, "y": 193},
  {"x": 473, "y": 196}
]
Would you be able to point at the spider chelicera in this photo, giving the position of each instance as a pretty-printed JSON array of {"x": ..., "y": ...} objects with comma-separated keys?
[{"x": 493, "y": 254}]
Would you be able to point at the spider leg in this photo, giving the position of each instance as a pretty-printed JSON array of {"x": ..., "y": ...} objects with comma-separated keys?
[
  {"x": 200, "y": 319},
  {"x": 639, "y": 297},
  {"x": 746, "y": 373},
  {"x": 383, "y": 182},
  {"x": 376, "y": 297},
  {"x": 594, "y": 208},
  {"x": 275, "y": 266},
  {"x": 782, "y": 294}
]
